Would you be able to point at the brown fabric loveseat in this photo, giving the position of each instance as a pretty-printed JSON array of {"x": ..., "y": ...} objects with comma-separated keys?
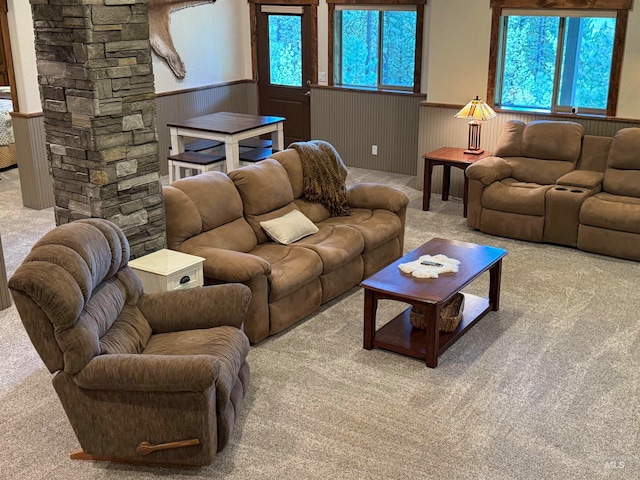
[
  {"x": 548, "y": 182},
  {"x": 218, "y": 217},
  {"x": 133, "y": 371}
]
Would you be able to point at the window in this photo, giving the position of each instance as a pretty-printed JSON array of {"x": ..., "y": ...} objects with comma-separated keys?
[
  {"x": 556, "y": 63},
  {"x": 376, "y": 46},
  {"x": 562, "y": 57},
  {"x": 285, "y": 50}
]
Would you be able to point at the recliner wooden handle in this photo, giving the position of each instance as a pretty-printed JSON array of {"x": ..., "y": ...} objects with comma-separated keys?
[{"x": 145, "y": 448}]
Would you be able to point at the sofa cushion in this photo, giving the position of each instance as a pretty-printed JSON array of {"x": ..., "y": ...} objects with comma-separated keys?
[
  {"x": 335, "y": 245},
  {"x": 515, "y": 197},
  {"x": 550, "y": 140},
  {"x": 612, "y": 212},
  {"x": 263, "y": 186},
  {"x": 228, "y": 344},
  {"x": 624, "y": 153},
  {"x": 510, "y": 141},
  {"x": 291, "y": 268},
  {"x": 266, "y": 193},
  {"x": 535, "y": 170},
  {"x": 377, "y": 227},
  {"x": 622, "y": 182},
  {"x": 199, "y": 204},
  {"x": 289, "y": 228}
]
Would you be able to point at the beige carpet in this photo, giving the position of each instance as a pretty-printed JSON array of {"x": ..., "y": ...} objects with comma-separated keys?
[{"x": 546, "y": 388}]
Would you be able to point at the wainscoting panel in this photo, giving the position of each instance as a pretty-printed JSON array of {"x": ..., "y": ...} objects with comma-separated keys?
[
  {"x": 237, "y": 97},
  {"x": 438, "y": 128},
  {"x": 35, "y": 180},
  {"x": 354, "y": 121}
]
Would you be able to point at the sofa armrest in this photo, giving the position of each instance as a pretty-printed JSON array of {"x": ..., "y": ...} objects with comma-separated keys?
[
  {"x": 375, "y": 195},
  {"x": 196, "y": 308},
  {"x": 581, "y": 178},
  {"x": 229, "y": 265},
  {"x": 149, "y": 373},
  {"x": 488, "y": 170}
]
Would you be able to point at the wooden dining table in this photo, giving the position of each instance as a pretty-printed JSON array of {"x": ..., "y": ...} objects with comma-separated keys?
[{"x": 229, "y": 128}]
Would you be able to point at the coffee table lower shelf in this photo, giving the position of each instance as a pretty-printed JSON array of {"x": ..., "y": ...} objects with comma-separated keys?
[{"x": 398, "y": 335}]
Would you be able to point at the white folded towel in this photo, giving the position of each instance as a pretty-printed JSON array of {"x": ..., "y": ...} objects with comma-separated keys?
[{"x": 418, "y": 270}]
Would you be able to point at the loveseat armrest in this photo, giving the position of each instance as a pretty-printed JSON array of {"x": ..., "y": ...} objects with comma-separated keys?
[
  {"x": 195, "y": 308},
  {"x": 229, "y": 265},
  {"x": 581, "y": 178},
  {"x": 149, "y": 373},
  {"x": 488, "y": 170},
  {"x": 376, "y": 196}
]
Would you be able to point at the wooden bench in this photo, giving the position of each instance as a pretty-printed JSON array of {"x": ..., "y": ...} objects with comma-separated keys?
[
  {"x": 194, "y": 161},
  {"x": 255, "y": 143}
]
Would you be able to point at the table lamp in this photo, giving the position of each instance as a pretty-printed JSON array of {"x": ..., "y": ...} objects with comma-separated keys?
[{"x": 478, "y": 111}]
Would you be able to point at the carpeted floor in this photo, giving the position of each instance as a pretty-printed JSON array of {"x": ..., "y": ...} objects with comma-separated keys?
[{"x": 546, "y": 388}]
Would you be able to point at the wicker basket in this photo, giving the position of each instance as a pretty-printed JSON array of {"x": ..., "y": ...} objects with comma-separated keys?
[{"x": 450, "y": 315}]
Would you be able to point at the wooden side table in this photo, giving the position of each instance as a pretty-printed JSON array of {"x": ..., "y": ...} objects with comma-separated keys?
[
  {"x": 447, "y": 157},
  {"x": 167, "y": 270}
]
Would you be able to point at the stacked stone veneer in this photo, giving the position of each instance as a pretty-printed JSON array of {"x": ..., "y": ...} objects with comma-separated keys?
[{"x": 98, "y": 98}]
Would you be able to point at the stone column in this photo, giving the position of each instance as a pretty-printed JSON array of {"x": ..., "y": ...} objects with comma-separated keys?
[{"x": 98, "y": 98}]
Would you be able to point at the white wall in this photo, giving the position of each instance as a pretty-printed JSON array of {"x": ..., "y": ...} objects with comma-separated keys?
[
  {"x": 214, "y": 42},
  {"x": 24, "y": 55}
]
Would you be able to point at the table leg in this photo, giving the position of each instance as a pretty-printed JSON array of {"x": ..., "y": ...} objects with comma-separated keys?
[
  {"x": 495, "y": 276},
  {"x": 432, "y": 334},
  {"x": 446, "y": 181},
  {"x": 426, "y": 187},
  {"x": 277, "y": 138},
  {"x": 370, "y": 307},
  {"x": 232, "y": 152},
  {"x": 177, "y": 147},
  {"x": 465, "y": 198}
]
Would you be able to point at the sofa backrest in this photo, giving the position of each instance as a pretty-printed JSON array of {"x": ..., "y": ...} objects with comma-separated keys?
[
  {"x": 206, "y": 211},
  {"x": 76, "y": 295},
  {"x": 556, "y": 144},
  {"x": 266, "y": 193},
  {"x": 595, "y": 153},
  {"x": 290, "y": 160},
  {"x": 622, "y": 176}
]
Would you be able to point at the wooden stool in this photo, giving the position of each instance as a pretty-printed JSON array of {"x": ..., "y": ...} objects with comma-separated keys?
[
  {"x": 201, "y": 144},
  {"x": 255, "y": 142},
  {"x": 200, "y": 162},
  {"x": 255, "y": 155}
]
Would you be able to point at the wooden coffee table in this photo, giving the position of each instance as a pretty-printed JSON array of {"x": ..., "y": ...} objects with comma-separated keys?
[{"x": 429, "y": 295}]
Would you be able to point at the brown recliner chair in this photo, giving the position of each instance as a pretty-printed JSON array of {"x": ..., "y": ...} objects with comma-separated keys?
[
  {"x": 610, "y": 220},
  {"x": 156, "y": 378}
]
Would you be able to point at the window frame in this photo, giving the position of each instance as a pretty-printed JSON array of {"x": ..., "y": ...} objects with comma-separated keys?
[
  {"x": 621, "y": 9},
  {"x": 380, "y": 6}
]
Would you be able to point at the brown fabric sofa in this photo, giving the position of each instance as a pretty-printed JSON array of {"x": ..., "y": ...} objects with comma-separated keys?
[
  {"x": 218, "y": 217},
  {"x": 132, "y": 367},
  {"x": 548, "y": 182}
]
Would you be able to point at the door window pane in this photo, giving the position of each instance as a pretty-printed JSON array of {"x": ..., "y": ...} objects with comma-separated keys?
[{"x": 285, "y": 50}]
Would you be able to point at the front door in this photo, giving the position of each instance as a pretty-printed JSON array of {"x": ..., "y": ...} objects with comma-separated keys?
[{"x": 286, "y": 66}]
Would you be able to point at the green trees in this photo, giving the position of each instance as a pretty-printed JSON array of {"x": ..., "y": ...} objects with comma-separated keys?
[
  {"x": 377, "y": 48},
  {"x": 530, "y": 76},
  {"x": 285, "y": 50}
]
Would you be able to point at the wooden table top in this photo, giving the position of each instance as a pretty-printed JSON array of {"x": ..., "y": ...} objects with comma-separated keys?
[
  {"x": 456, "y": 155},
  {"x": 474, "y": 260},
  {"x": 226, "y": 122}
]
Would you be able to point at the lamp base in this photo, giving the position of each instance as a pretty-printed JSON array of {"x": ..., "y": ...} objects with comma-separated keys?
[{"x": 474, "y": 152}]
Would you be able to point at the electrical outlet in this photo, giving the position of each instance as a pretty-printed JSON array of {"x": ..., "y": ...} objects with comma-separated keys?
[
  {"x": 322, "y": 76},
  {"x": 374, "y": 149}
]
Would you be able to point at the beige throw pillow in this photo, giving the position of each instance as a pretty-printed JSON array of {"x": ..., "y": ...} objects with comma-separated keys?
[{"x": 289, "y": 227}]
